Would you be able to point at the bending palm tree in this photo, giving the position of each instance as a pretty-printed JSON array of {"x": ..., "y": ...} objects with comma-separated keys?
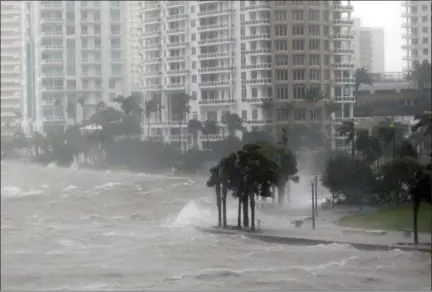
[
  {"x": 420, "y": 74},
  {"x": 233, "y": 122},
  {"x": 210, "y": 127},
  {"x": 180, "y": 107},
  {"x": 194, "y": 126}
]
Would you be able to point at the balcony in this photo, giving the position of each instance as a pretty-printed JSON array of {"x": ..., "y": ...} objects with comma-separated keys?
[
  {"x": 257, "y": 122},
  {"x": 90, "y": 20},
  {"x": 258, "y": 66},
  {"x": 348, "y": 99},
  {"x": 262, "y": 36},
  {"x": 342, "y": 8},
  {"x": 256, "y": 100},
  {"x": 212, "y": 137},
  {"x": 176, "y": 45},
  {"x": 216, "y": 69},
  {"x": 343, "y": 66},
  {"x": 343, "y": 22},
  {"x": 258, "y": 51},
  {"x": 176, "y": 58},
  {"x": 342, "y": 36},
  {"x": 175, "y": 86},
  {"x": 260, "y": 6},
  {"x": 176, "y": 17},
  {"x": 151, "y": 20},
  {"x": 52, "y": 62},
  {"x": 215, "y": 12},
  {"x": 216, "y": 40},
  {"x": 51, "y": 6},
  {"x": 344, "y": 80},
  {"x": 177, "y": 72},
  {"x": 148, "y": 6},
  {"x": 252, "y": 22},
  {"x": 53, "y": 47},
  {"x": 211, "y": 84},
  {"x": 214, "y": 55},
  {"x": 261, "y": 81},
  {"x": 213, "y": 27},
  {"x": 217, "y": 102},
  {"x": 174, "y": 31},
  {"x": 146, "y": 34},
  {"x": 47, "y": 34},
  {"x": 343, "y": 51},
  {"x": 51, "y": 20}
]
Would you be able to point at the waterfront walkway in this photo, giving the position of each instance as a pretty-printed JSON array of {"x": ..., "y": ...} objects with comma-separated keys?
[{"x": 327, "y": 232}]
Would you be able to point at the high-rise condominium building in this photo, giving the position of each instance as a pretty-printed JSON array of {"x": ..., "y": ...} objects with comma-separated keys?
[
  {"x": 417, "y": 31},
  {"x": 369, "y": 47},
  {"x": 76, "y": 51},
  {"x": 133, "y": 60},
  {"x": 231, "y": 56},
  {"x": 11, "y": 54}
]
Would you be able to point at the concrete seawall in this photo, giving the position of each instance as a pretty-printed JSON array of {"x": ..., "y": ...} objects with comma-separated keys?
[{"x": 288, "y": 238}]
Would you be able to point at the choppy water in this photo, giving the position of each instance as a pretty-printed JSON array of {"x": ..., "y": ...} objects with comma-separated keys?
[{"x": 76, "y": 229}]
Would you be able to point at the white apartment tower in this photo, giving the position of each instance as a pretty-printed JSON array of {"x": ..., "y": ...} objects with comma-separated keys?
[
  {"x": 369, "y": 47},
  {"x": 230, "y": 56},
  {"x": 76, "y": 49},
  {"x": 11, "y": 54},
  {"x": 133, "y": 29},
  {"x": 417, "y": 31}
]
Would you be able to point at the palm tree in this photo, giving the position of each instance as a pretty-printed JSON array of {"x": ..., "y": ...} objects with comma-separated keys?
[
  {"x": 361, "y": 77},
  {"x": 420, "y": 73},
  {"x": 58, "y": 103},
  {"x": 132, "y": 111},
  {"x": 81, "y": 101},
  {"x": 267, "y": 107},
  {"x": 72, "y": 111},
  {"x": 180, "y": 107},
  {"x": 214, "y": 181},
  {"x": 348, "y": 128},
  {"x": 233, "y": 122},
  {"x": 209, "y": 127},
  {"x": 390, "y": 133},
  {"x": 194, "y": 126},
  {"x": 150, "y": 107}
]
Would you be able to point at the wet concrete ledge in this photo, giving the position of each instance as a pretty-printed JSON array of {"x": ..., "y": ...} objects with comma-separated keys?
[{"x": 279, "y": 239}]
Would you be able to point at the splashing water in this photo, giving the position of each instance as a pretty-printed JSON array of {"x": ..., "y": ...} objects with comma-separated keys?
[{"x": 193, "y": 214}]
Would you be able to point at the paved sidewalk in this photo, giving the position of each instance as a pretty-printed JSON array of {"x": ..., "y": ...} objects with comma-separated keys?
[{"x": 278, "y": 226}]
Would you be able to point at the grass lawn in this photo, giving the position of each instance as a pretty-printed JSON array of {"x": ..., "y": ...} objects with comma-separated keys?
[{"x": 392, "y": 218}]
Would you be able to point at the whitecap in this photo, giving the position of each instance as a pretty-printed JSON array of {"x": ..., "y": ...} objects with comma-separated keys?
[
  {"x": 70, "y": 187},
  {"x": 107, "y": 185}
]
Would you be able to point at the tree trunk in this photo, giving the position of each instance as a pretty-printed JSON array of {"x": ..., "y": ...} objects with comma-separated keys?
[
  {"x": 416, "y": 207},
  {"x": 281, "y": 193},
  {"x": 224, "y": 209},
  {"x": 218, "y": 203},
  {"x": 246, "y": 208},
  {"x": 148, "y": 128},
  {"x": 252, "y": 206},
  {"x": 239, "y": 210},
  {"x": 273, "y": 195}
]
